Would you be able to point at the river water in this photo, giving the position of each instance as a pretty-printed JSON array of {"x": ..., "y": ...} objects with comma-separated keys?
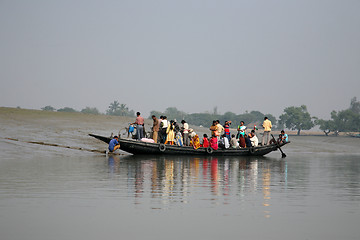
[{"x": 55, "y": 193}]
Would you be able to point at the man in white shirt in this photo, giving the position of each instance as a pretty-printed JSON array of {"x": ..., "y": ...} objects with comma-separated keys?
[
  {"x": 254, "y": 140},
  {"x": 164, "y": 125},
  {"x": 185, "y": 130}
]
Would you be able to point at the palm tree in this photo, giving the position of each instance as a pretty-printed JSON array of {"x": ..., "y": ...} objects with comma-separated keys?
[{"x": 113, "y": 107}]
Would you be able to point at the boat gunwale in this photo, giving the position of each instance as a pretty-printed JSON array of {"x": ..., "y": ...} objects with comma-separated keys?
[{"x": 139, "y": 147}]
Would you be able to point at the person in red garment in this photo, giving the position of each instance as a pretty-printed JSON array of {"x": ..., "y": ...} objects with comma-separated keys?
[
  {"x": 205, "y": 141},
  {"x": 214, "y": 143}
]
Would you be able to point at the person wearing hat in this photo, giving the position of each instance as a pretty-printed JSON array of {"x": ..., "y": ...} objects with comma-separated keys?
[
  {"x": 191, "y": 133},
  {"x": 114, "y": 144}
]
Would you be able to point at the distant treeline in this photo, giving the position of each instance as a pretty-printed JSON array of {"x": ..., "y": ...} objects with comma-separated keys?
[
  {"x": 206, "y": 119},
  {"x": 347, "y": 120},
  {"x": 293, "y": 118},
  {"x": 114, "y": 109}
]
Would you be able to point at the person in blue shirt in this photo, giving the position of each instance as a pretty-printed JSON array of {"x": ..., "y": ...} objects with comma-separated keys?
[
  {"x": 114, "y": 144},
  {"x": 247, "y": 141},
  {"x": 285, "y": 137}
]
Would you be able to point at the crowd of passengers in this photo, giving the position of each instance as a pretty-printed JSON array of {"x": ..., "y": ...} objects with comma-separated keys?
[{"x": 170, "y": 132}]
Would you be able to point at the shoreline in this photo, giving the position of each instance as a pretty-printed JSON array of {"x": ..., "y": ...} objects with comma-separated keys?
[{"x": 10, "y": 115}]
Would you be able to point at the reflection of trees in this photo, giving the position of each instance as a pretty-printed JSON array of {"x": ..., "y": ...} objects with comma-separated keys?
[{"x": 174, "y": 179}]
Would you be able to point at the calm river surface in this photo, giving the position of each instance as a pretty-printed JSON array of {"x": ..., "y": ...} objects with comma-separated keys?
[{"x": 55, "y": 193}]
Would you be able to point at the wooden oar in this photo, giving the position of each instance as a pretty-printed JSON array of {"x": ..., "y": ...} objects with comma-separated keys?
[{"x": 283, "y": 155}]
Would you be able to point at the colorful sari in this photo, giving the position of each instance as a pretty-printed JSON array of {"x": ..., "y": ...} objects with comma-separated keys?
[{"x": 196, "y": 142}]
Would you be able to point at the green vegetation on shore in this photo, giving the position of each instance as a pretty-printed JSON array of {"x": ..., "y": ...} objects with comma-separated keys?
[{"x": 293, "y": 118}]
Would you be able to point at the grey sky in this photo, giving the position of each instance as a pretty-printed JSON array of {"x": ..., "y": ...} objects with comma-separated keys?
[{"x": 194, "y": 55}]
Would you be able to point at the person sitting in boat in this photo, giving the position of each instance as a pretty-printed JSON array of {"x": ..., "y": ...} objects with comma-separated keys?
[
  {"x": 233, "y": 142},
  {"x": 192, "y": 134},
  {"x": 247, "y": 141},
  {"x": 224, "y": 142},
  {"x": 114, "y": 144},
  {"x": 214, "y": 143},
  {"x": 284, "y": 136},
  {"x": 242, "y": 142},
  {"x": 254, "y": 139},
  {"x": 278, "y": 141},
  {"x": 205, "y": 143},
  {"x": 178, "y": 139},
  {"x": 196, "y": 142}
]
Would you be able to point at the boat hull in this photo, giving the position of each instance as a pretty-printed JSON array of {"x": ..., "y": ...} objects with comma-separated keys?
[{"x": 144, "y": 148}]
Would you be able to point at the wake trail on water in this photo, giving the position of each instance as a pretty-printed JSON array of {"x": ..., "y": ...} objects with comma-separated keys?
[{"x": 57, "y": 145}]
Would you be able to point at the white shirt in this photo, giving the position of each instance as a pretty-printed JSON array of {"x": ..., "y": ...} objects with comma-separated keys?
[
  {"x": 226, "y": 142},
  {"x": 254, "y": 141},
  {"x": 165, "y": 123},
  {"x": 186, "y": 127}
]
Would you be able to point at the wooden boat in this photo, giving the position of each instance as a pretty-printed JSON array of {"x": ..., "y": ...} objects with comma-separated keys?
[{"x": 139, "y": 147}]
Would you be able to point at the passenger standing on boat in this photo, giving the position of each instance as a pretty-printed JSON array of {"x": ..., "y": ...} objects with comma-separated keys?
[
  {"x": 165, "y": 124},
  {"x": 285, "y": 137},
  {"x": 155, "y": 128},
  {"x": 139, "y": 126},
  {"x": 170, "y": 133},
  {"x": 160, "y": 137},
  {"x": 213, "y": 129},
  {"x": 185, "y": 131},
  {"x": 219, "y": 128},
  {"x": 227, "y": 129},
  {"x": 267, "y": 129},
  {"x": 241, "y": 129},
  {"x": 114, "y": 144},
  {"x": 177, "y": 127}
]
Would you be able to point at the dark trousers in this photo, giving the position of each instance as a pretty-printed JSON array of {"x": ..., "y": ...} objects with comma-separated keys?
[{"x": 163, "y": 135}]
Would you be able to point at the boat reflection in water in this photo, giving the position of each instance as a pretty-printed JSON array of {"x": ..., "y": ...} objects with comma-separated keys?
[{"x": 219, "y": 180}]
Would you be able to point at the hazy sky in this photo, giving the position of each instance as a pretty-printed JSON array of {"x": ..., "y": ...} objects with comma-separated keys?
[{"x": 193, "y": 55}]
